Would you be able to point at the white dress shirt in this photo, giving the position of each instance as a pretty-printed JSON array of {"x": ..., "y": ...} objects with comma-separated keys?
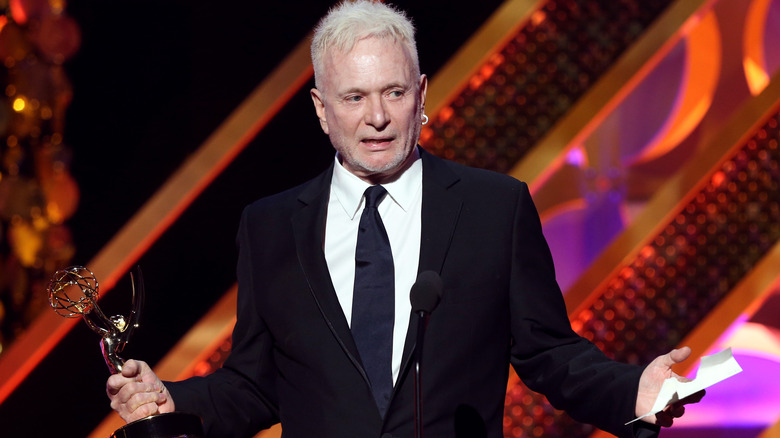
[{"x": 401, "y": 212}]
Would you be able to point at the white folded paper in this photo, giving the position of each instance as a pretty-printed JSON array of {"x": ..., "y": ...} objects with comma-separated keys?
[{"x": 714, "y": 368}]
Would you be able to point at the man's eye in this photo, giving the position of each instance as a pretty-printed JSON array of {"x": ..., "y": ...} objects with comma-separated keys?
[
  {"x": 396, "y": 93},
  {"x": 354, "y": 98}
]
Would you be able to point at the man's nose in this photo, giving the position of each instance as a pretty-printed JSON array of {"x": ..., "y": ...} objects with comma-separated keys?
[{"x": 376, "y": 112}]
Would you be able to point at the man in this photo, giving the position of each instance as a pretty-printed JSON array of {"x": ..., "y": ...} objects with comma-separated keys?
[{"x": 298, "y": 357}]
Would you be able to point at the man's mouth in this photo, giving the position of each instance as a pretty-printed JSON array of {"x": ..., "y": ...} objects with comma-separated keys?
[{"x": 377, "y": 141}]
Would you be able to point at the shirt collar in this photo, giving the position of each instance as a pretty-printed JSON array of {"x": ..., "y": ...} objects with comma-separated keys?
[{"x": 348, "y": 189}]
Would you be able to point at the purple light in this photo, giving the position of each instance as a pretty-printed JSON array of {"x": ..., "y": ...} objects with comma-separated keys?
[{"x": 749, "y": 399}]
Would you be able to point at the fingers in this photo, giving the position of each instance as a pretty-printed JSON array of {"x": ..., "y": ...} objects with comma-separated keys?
[
  {"x": 132, "y": 368},
  {"x": 123, "y": 387},
  {"x": 676, "y": 410},
  {"x": 675, "y": 356},
  {"x": 133, "y": 395},
  {"x": 679, "y": 354},
  {"x": 664, "y": 419},
  {"x": 136, "y": 392},
  {"x": 137, "y": 400},
  {"x": 693, "y": 398},
  {"x": 132, "y": 371},
  {"x": 651, "y": 382}
]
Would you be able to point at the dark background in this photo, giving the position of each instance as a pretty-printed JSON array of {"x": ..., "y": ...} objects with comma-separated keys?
[{"x": 152, "y": 79}]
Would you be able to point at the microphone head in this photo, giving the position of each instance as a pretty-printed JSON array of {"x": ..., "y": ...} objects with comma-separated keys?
[{"x": 426, "y": 292}]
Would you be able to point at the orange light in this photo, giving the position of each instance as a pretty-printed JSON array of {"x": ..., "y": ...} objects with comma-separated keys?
[
  {"x": 754, "y": 63},
  {"x": 718, "y": 178},
  {"x": 701, "y": 79},
  {"x": 19, "y": 104},
  {"x": 17, "y": 12},
  {"x": 445, "y": 114},
  {"x": 538, "y": 17}
]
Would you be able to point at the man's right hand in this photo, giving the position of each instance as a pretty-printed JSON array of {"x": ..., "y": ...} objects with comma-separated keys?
[{"x": 137, "y": 392}]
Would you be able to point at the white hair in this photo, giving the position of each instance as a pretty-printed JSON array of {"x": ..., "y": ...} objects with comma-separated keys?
[{"x": 351, "y": 21}]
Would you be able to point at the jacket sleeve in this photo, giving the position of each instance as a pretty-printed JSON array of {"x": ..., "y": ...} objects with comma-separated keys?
[
  {"x": 238, "y": 399},
  {"x": 547, "y": 354}
]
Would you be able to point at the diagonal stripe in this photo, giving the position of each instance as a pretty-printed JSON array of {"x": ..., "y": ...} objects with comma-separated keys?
[
  {"x": 475, "y": 53},
  {"x": 614, "y": 86},
  {"x": 164, "y": 208},
  {"x": 746, "y": 296},
  {"x": 672, "y": 198},
  {"x": 772, "y": 432}
]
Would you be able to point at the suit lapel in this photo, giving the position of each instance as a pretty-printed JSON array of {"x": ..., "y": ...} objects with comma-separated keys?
[
  {"x": 309, "y": 228},
  {"x": 440, "y": 212}
]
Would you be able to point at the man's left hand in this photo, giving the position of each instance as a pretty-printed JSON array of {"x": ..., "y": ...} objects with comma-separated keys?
[{"x": 650, "y": 385}]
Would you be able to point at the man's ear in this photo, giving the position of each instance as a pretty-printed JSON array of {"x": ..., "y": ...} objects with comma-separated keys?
[
  {"x": 319, "y": 107},
  {"x": 423, "y": 89}
]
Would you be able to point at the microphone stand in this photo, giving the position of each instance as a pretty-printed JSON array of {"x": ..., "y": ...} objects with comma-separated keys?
[
  {"x": 425, "y": 295},
  {"x": 422, "y": 321}
]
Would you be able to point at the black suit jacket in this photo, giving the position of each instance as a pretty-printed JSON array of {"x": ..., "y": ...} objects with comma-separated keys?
[{"x": 294, "y": 360}]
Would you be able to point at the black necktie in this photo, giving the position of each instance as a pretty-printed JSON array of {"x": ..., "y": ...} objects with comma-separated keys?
[{"x": 373, "y": 301}]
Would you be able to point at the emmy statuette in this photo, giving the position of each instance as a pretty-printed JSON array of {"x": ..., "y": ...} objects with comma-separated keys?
[{"x": 73, "y": 292}]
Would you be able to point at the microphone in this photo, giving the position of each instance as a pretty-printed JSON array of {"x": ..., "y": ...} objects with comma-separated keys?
[
  {"x": 426, "y": 292},
  {"x": 425, "y": 295}
]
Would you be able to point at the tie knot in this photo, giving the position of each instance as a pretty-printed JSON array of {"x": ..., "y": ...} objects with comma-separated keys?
[{"x": 373, "y": 194}]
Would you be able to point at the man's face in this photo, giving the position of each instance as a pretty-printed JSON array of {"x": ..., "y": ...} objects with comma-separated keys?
[{"x": 370, "y": 105}]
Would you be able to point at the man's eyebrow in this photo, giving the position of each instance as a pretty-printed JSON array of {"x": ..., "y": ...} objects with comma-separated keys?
[
  {"x": 389, "y": 86},
  {"x": 352, "y": 90},
  {"x": 397, "y": 85}
]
